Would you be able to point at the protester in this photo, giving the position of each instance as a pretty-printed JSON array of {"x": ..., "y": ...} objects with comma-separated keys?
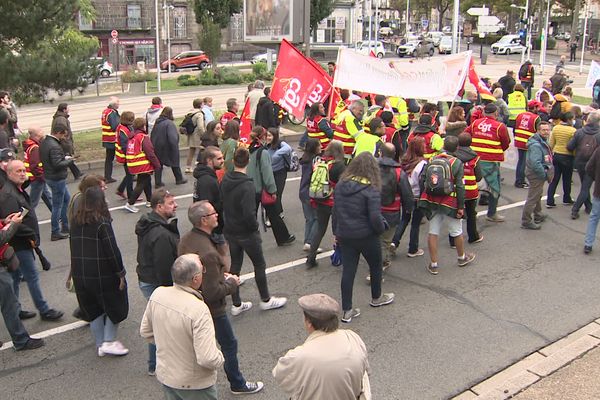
[
  {"x": 412, "y": 164},
  {"x": 425, "y": 129},
  {"x": 125, "y": 132},
  {"x": 370, "y": 141},
  {"x": 357, "y": 225},
  {"x": 527, "y": 76},
  {"x": 98, "y": 272},
  {"x": 507, "y": 83},
  {"x": 558, "y": 81},
  {"x": 583, "y": 143},
  {"x": 212, "y": 135},
  {"x": 6, "y": 155},
  {"x": 445, "y": 207},
  {"x": 573, "y": 50},
  {"x": 348, "y": 125},
  {"x": 178, "y": 322},
  {"x": 526, "y": 125},
  {"x": 281, "y": 159},
  {"x": 254, "y": 96},
  {"x": 517, "y": 104},
  {"x": 562, "y": 104},
  {"x": 141, "y": 163},
  {"x": 311, "y": 151},
  {"x": 165, "y": 140},
  {"x": 266, "y": 111},
  {"x": 231, "y": 136},
  {"x": 35, "y": 169},
  {"x": 317, "y": 126},
  {"x": 241, "y": 230},
  {"x": 562, "y": 159},
  {"x": 260, "y": 170},
  {"x": 153, "y": 113},
  {"x": 331, "y": 364},
  {"x": 193, "y": 139},
  {"x": 217, "y": 284},
  {"x": 334, "y": 162},
  {"x": 13, "y": 200},
  {"x": 88, "y": 181},
  {"x": 61, "y": 118},
  {"x": 55, "y": 164},
  {"x": 207, "y": 103},
  {"x": 561, "y": 64},
  {"x": 6, "y": 141},
  {"x": 592, "y": 169},
  {"x": 231, "y": 113},
  {"x": 490, "y": 140},
  {"x": 158, "y": 238},
  {"x": 544, "y": 94},
  {"x": 539, "y": 170},
  {"x": 456, "y": 121},
  {"x": 110, "y": 121},
  {"x": 206, "y": 186},
  {"x": 10, "y": 123},
  {"x": 503, "y": 112},
  {"x": 577, "y": 117}
]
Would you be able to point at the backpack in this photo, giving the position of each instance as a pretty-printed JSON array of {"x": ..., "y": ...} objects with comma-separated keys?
[
  {"x": 187, "y": 126},
  {"x": 438, "y": 179},
  {"x": 389, "y": 185},
  {"x": 586, "y": 146},
  {"x": 319, "y": 187},
  {"x": 293, "y": 164}
]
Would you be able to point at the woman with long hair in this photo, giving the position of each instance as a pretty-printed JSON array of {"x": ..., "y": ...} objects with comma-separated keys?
[
  {"x": 212, "y": 135},
  {"x": 357, "y": 225},
  {"x": 98, "y": 272},
  {"x": 412, "y": 163},
  {"x": 261, "y": 171},
  {"x": 231, "y": 136},
  {"x": 165, "y": 139},
  {"x": 317, "y": 126},
  {"x": 456, "y": 122},
  {"x": 311, "y": 151},
  {"x": 281, "y": 157},
  {"x": 333, "y": 158}
]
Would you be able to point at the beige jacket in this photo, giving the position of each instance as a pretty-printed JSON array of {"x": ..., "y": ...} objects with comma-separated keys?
[
  {"x": 254, "y": 96},
  {"x": 330, "y": 366},
  {"x": 179, "y": 323}
]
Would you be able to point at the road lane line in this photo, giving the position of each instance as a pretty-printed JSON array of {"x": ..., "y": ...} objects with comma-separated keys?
[{"x": 276, "y": 268}]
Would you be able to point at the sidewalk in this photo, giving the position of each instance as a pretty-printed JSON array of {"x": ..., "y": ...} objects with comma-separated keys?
[{"x": 566, "y": 369}]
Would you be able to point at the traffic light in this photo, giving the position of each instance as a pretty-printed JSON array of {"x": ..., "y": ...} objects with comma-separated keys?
[{"x": 523, "y": 36}]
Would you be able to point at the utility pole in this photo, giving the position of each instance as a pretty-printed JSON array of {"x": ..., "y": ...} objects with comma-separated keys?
[
  {"x": 157, "y": 45},
  {"x": 306, "y": 29}
]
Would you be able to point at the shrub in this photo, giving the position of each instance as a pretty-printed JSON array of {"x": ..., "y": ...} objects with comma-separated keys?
[
  {"x": 230, "y": 76},
  {"x": 190, "y": 81},
  {"x": 248, "y": 77},
  {"x": 208, "y": 77},
  {"x": 134, "y": 76},
  {"x": 260, "y": 72},
  {"x": 182, "y": 78}
]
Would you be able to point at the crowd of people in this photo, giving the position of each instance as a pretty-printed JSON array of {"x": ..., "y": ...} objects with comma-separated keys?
[{"x": 373, "y": 165}]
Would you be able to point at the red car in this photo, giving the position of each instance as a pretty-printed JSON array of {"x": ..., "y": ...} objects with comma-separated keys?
[{"x": 187, "y": 59}]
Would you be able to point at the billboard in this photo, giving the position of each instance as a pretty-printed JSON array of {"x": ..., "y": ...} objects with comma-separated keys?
[{"x": 270, "y": 21}]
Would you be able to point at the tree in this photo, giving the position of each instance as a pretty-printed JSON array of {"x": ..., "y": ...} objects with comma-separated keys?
[
  {"x": 214, "y": 15},
  {"x": 209, "y": 39},
  {"x": 319, "y": 10}
]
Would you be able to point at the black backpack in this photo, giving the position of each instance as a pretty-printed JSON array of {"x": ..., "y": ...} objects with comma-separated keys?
[
  {"x": 586, "y": 146},
  {"x": 389, "y": 185},
  {"x": 438, "y": 179},
  {"x": 187, "y": 126}
]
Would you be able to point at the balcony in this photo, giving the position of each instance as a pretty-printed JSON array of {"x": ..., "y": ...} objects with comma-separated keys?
[{"x": 108, "y": 23}]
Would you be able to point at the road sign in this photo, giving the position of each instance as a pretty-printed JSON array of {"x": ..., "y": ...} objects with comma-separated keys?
[
  {"x": 477, "y": 11},
  {"x": 467, "y": 29},
  {"x": 424, "y": 23},
  {"x": 115, "y": 40},
  {"x": 114, "y": 34},
  {"x": 488, "y": 24}
]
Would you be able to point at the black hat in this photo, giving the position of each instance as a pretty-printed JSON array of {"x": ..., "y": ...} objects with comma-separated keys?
[
  {"x": 425, "y": 119},
  {"x": 7, "y": 154}
]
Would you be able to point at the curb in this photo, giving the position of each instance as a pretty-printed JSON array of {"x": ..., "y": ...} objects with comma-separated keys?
[
  {"x": 519, "y": 376},
  {"x": 97, "y": 164}
]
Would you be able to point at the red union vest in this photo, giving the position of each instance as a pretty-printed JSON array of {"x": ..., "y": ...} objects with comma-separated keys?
[
  {"x": 397, "y": 203},
  {"x": 108, "y": 135},
  {"x": 26, "y": 161},
  {"x": 137, "y": 162},
  {"x": 119, "y": 154},
  {"x": 312, "y": 126},
  {"x": 429, "y": 152},
  {"x": 471, "y": 189},
  {"x": 346, "y": 131},
  {"x": 228, "y": 116},
  {"x": 524, "y": 128},
  {"x": 485, "y": 139}
]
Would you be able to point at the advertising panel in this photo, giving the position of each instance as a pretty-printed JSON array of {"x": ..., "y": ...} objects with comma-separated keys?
[{"x": 268, "y": 20}]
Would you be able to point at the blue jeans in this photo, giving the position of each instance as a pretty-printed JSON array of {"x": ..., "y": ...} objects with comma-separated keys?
[
  {"x": 209, "y": 393},
  {"x": 147, "y": 289},
  {"x": 310, "y": 221},
  {"x": 583, "y": 199},
  {"x": 520, "y": 173},
  {"x": 370, "y": 249},
  {"x": 229, "y": 347},
  {"x": 28, "y": 270},
  {"x": 414, "y": 219},
  {"x": 60, "y": 202},
  {"x": 590, "y": 235},
  {"x": 9, "y": 305},
  {"x": 38, "y": 189},
  {"x": 103, "y": 329}
]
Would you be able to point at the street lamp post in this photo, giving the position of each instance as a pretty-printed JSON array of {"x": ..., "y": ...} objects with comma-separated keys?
[
  {"x": 407, "y": 17},
  {"x": 527, "y": 30},
  {"x": 157, "y": 45},
  {"x": 584, "y": 35},
  {"x": 166, "y": 10},
  {"x": 455, "y": 44},
  {"x": 545, "y": 33}
]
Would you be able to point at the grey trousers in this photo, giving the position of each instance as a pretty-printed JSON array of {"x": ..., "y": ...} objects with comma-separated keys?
[
  {"x": 533, "y": 205},
  {"x": 210, "y": 393}
]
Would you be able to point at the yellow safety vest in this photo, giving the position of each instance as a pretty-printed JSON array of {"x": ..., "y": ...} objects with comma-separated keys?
[{"x": 517, "y": 104}]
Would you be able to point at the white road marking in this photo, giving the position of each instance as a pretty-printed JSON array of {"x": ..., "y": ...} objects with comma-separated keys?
[{"x": 276, "y": 268}]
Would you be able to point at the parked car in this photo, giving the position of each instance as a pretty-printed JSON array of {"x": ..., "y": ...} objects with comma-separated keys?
[
  {"x": 366, "y": 48},
  {"x": 414, "y": 47},
  {"x": 508, "y": 44},
  {"x": 385, "y": 31},
  {"x": 445, "y": 46},
  {"x": 434, "y": 37},
  {"x": 187, "y": 59},
  {"x": 262, "y": 57},
  {"x": 106, "y": 69}
]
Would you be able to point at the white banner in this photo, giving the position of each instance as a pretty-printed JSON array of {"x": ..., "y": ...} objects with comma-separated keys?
[
  {"x": 593, "y": 75},
  {"x": 435, "y": 79}
]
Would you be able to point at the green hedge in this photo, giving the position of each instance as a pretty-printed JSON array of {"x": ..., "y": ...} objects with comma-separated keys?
[{"x": 134, "y": 76}]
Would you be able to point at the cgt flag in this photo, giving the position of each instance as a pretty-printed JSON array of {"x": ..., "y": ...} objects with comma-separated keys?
[
  {"x": 298, "y": 81},
  {"x": 483, "y": 91},
  {"x": 245, "y": 126}
]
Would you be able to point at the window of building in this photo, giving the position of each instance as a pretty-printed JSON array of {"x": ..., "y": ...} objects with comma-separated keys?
[
  {"x": 331, "y": 30},
  {"x": 179, "y": 22},
  {"x": 134, "y": 16},
  {"x": 84, "y": 23}
]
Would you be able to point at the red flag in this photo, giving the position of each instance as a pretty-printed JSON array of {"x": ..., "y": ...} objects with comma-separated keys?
[
  {"x": 333, "y": 102},
  {"x": 245, "y": 127},
  {"x": 298, "y": 81},
  {"x": 483, "y": 91}
]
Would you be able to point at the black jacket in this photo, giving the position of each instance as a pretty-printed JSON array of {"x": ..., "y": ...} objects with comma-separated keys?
[
  {"x": 165, "y": 139},
  {"x": 206, "y": 187},
  {"x": 403, "y": 188},
  {"x": 239, "y": 204},
  {"x": 266, "y": 113},
  {"x": 589, "y": 129},
  {"x": 507, "y": 83},
  {"x": 157, "y": 249},
  {"x": 357, "y": 211},
  {"x": 53, "y": 159},
  {"x": 11, "y": 201}
]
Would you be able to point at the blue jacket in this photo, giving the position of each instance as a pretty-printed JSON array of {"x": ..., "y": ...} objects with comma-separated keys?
[
  {"x": 357, "y": 210},
  {"x": 280, "y": 155},
  {"x": 539, "y": 157}
]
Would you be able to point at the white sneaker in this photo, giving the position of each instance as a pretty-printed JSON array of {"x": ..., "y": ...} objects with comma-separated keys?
[
  {"x": 245, "y": 306},
  {"x": 131, "y": 208},
  {"x": 148, "y": 204},
  {"x": 306, "y": 247},
  {"x": 115, "y": 348},
  {"x": 273, "y": 303}
]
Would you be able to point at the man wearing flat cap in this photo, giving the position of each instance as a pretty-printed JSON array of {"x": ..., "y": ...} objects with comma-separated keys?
[
  {"x": 6, "y": 155},
  {"x": 332, "y": 363}
]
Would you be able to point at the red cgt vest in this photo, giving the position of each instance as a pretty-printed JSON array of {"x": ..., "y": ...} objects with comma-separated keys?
[
  {"x": 108, "y": 135},
  {"x": 119, "y": 154},
  {"x": 397, "y": 204},
  {"x": 312, "y": 126},
  {"x": 137, "y": 162},
  {"x": 471, "y": 189},
  {"x": 429, "y": 152},
  {"x": 524, "y": 128}
]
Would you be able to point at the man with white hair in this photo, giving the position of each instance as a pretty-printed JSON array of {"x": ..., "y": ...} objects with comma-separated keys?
[
  {"x": 178, "y": 321},
  {"x": 254, "y": 96},
  {"x": 35, "y": 169},
  {"x": 348, "y": 126},
  {"x": 110, "y": 120},
  {"x": 544, "y": 95}
]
